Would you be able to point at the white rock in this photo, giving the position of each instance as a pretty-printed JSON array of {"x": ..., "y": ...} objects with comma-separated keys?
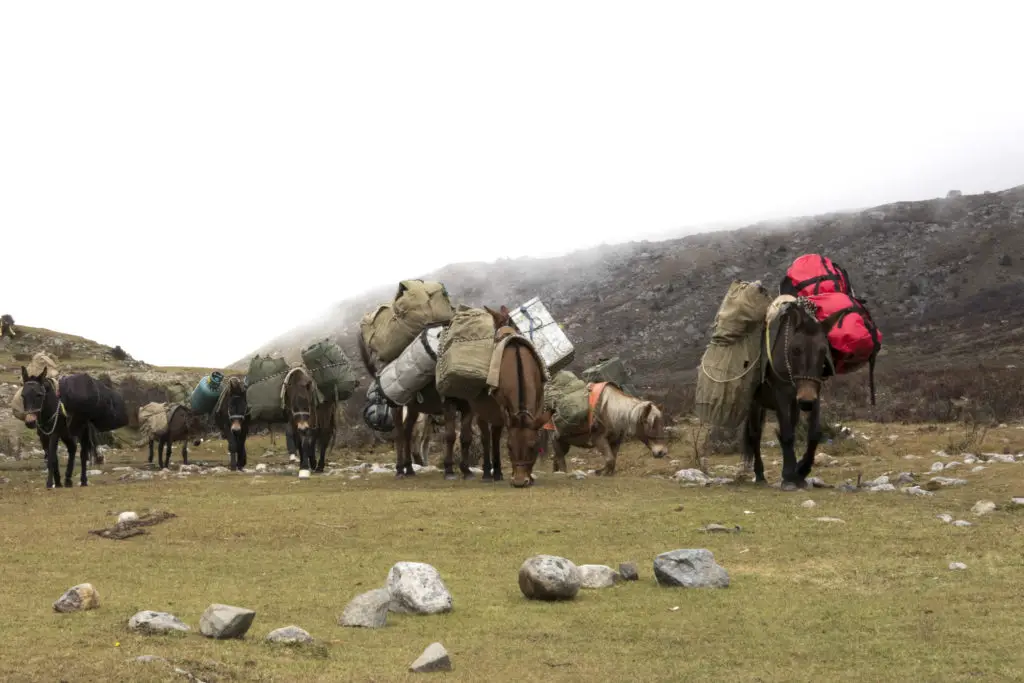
[
  {"x": 983, "y": 507},
  {"x": 808, "y": 504},
  {"x": 303, "y": 474},
  {"x": 261, "y": 467},
  {"x": 691, "y": 476},
  {"x": 962, "y": 523},
  {"x": 434, "y": 658},
  {"x": 126, "y": 517},
  {"x": 548, "y": 577},
  {"x": 148, "y": 621},
  {"x": 881, "y": 487},
  {"x": 977, "y": 468},
  {"x": 945, "y": 517},
  {"x": 225, "y": 621},
  {"x": 417, "y": 588},
  {"x": 1017, "y": 501},
  {"x": 957, "y": 565},
  {"x": 368, "y": 610},
  {"x": 597, "y": 576},
  {"x": 937, "y": 467},
  {"x": 77, "y": 598},
  {"x": 829, "y": 519},
  {"x": 289, "y": 635}
]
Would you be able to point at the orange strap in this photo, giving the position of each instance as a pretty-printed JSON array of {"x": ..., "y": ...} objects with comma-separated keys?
[{"x": 594, "y": 391}]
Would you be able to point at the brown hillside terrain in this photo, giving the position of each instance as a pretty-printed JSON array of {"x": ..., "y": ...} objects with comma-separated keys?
[{"x": 944, "y": 279}]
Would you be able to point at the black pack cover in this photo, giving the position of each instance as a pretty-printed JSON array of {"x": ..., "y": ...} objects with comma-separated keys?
[
  {"x": 84, "y": 397},
  {"x": 377, "y": 412}
]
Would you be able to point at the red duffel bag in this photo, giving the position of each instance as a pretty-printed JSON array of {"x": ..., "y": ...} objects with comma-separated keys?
[
  {"x": 854, "y": 338},
  {"x": 815, "y": 274}
]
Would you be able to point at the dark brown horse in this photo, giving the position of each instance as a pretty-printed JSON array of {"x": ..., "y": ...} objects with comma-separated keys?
[
  {"x": 54, "y": 423},
  {"x": 312, "y": 421},
  {"x": 182, "y": 425},
  {"x": 796, "y": 347},
  {"x": 405, "y": 418},
  {"x": 517, "y": 405},
  {"x": 231, "y": 417}
]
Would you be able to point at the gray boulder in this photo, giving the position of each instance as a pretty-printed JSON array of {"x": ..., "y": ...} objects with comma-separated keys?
[
  {"x": 417, "y": 588},
  {"x": 225, "y": 621},
  {"x": 368, "y": 610},
  {"x": 689, "y": 568},
  {"x": 548, "y": 577},
  {"x": 148, "y": 621}
]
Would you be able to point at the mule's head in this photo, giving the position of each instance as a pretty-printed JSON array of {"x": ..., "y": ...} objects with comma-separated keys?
[
  {"x": 299, "y": 400},
  {"x": 801, "y": 352},
  {"x": 237, "y": 405},
  {"x": 33, "y": 395},
  {"x": 523, "y": 435},
  {"x": 650, "y": 429}
]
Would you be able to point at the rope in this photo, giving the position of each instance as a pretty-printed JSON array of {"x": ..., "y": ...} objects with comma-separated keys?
[{"x": 726, "y": 381}]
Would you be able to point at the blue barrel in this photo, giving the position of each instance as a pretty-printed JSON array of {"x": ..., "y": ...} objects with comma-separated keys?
[{"x": 204, "y": 396}]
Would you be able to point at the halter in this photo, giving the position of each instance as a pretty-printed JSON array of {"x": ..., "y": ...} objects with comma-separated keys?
[
  {"x": 802, "y": 303},
  {"x": 56, "y": 413}
]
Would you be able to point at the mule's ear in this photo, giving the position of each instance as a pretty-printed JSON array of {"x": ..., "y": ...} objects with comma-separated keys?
[
  {"x": 42, "y": 375},
  {"x": 828, "y": 323},
  {"x": 505, "y": 312},
  {"x": 24, "y": 374},
  {"x": 498, "y": 318}
]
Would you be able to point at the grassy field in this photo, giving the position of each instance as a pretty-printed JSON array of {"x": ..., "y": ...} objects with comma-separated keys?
[{"x": 868, "y": 599}]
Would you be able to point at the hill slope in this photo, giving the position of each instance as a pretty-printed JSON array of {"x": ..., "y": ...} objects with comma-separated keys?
[{"x": 944, "y": 279}]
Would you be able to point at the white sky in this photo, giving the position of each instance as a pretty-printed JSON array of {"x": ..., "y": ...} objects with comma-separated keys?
[{"x": 151, "y": 153}]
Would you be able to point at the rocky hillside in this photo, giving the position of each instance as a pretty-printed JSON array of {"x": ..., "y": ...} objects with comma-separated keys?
[{"x": 944, "y": 279}]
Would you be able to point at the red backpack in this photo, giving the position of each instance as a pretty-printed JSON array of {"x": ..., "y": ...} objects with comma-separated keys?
[
  {"x": 854, "y": 339},
  {"x": 815, "y": 274}
]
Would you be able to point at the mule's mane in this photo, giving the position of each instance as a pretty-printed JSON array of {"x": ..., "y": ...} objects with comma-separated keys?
[{"x": 621, "y": 412}]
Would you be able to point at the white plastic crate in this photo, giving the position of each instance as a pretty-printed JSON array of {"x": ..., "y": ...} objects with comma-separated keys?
[{"x": 535, "y": 323}]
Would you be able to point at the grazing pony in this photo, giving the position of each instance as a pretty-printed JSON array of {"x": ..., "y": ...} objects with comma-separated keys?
[
  {"x": 614, "y": 416},
  {"x": 54, "y": 423},
  {"x": 517, "y": 405},
  {"x": 312, "y": 421},
  {"x": 182, "y": 425},
  {"x": 231, "y": 417},
  {"x": 796, "y": 347},
  {"x": 406, "y": 417}
]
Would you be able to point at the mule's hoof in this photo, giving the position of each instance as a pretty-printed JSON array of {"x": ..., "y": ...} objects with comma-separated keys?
[
  {"x": 789, "y": 486},
  {"x": 487, "y": 478},
  {"x": 450, "y": 476},
  {"x": 399, "y": 475},
  {"x": 319, "y": 470},
  {"x": 84, "y": 483},
  {"x": 303, "y": 474}
]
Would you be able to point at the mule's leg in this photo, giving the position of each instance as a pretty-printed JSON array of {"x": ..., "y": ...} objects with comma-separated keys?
[
  {"x": 232, "y": 439},
  {"x": 752, "y": 441},
  {"x": 69, "y": 443},
  {"x": 465, "y": 443},
  {"x": 407, "y": 447},
  {"x": 419, "y": 455},
  {"x": 601, "y": 443},
  {"x": 151, "y": 451},
  {"x": 184, "y": 452},
  {"x": 788, "y": 413},
  {"x": 496, "y": 450},
  {"x": 449, "y": 440},
  {"x": 87, "y": 449},
  {"x": 324, "y": 439},
  {"x": 558, "y": 453},
  {"x": 485, "y": 450},
  {"x": 52, "y": 464},
  {"x": 243, "y": 456},
  {"x": 399, "y": 445},
  {"x": 813, "y": 437}
]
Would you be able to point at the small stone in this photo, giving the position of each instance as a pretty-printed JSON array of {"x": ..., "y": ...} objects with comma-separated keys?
[
  {"x": 150, "y": 659},
  {"x": 579, "y": 474},
  {"x": 947, "y": 481},
  {"x": 977, "y": 468},
  {"x": 1017, "y": 501},
  {"x": 962, "y": 523},
  {"x": 957, "y": 565},
  {"x": 126, "y": 517},
  {"x": 289, "y": 635},
  {"x": 690, "y": 568},
  {"x": 148, "y": 621},
  {"x": 261, "y": 467},
  {"x": 434, "y": 658},
  {"x": 718, "y": 529},
  {"x": 882, "y": 487},
  {"x": 628, "y": 571},
  {"x": 917, "y": 491},
  {"x": 808, "y": 504},
  {"x": 880, "y": 481},
  {"x": 597, "y": 576},
  {"x": 78, "y": 598},
  {"x": 938, "y": 467},
  {"x": 818, "y": 483},
  {"x": 952, "y": 465},
  {"x": 368, "y": 610},
  {"x": 983, "y": 507},
  {"x": 692, "y": 476},
  {"x": 829, "y": 519},
  {"x": 225, "y": 621},
  {"x": 945, "y": 517}
]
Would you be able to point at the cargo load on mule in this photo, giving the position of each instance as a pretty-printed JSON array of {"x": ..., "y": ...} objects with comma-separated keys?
[
  {"x": 204, "y": 397},
  {"x": 855, "y": 340},
  {"x": 610, "y": 370},
  {"x": 264, "y": 381},
  {"x": 88, "y": 398},
  {"x": 730, "y": 369},
  {"x": 464, "y": 360},
  {"x": 331, "y": 370},
  {"x": 403, "y": 378},
  {"x": 377, "y": 412},
  {"x": 18, "y": 406},
  {"x": 390, "y": 328},
  {"x": 178, "y": 392},
  {"x": 815, "y": 274},
  {"x": 534, "y": 322},
  {"x": 568, "y": 397},
  {"x": 153, "y": 419}
]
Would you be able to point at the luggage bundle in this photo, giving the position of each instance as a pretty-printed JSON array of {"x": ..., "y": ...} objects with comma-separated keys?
[
  {"x": 568, "y": 397},
  {"x": 178, "y": 392},
  {"x": 390, "y": 328},
  {"x": 414, "y": 369},
  {"x": 730, "y": 369},
  {"x": 610, "y": 370},
  {"x": 854, "y": 340},
  {"x": 96, "y": 402},
  {"x": 377, "y": 412},
  {"x": 204, "y": 397},
  {"x": 263, "y": 388},
  {"x": 465, "y": 354},
  {"x": 35, "y": 367},
  {"x": 153, "y": 419},
  {"x": 534, "y": 322},
  {"x": 331, "y": 370}
]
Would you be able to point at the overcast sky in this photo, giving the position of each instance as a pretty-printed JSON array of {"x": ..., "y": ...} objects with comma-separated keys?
[{"x": 189, "y": 179}]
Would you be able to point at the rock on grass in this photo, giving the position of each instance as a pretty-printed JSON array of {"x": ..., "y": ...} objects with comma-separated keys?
[
  {"x": 289, "y": 635},
  {"x": 225, "y": 621},
  {"x": 78, "y": 598},
  {"x": 148, "y": 621},
  {"x": 628, "y": 571},
  {"x": 368, "y": 610},
  {"x": 597, "y": 576},
  {"x": 548, "y": 577},
  {"x": 417, "y": 588},
  {"x": 689, "y": 568},
  {"x": 434, "y": 658}
]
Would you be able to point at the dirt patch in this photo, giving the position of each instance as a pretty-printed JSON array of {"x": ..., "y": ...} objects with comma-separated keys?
[{"x": 119, "y": 532}]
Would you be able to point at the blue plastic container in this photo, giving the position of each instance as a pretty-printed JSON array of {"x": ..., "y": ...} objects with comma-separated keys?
[{"x": 204, "y": 396}]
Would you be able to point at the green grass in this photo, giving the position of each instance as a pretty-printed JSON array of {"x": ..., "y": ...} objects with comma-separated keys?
[{"x": 868, "y": 600}]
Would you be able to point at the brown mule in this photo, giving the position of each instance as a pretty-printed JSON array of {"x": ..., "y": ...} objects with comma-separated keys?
[
  {"x": 182, "y": 425},
  {"x": 516, "y": 405}
]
